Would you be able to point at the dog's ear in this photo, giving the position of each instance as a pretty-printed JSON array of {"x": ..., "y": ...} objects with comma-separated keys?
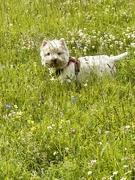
[
  {"x": 44, "y": 43},
  {"x": 63, "y": 43}
]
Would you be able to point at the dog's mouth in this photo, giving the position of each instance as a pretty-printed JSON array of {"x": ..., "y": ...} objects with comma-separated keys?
[
  {"x": 55, "y": 64},
  {"x": 52, "y": 65},
  {"x": 47, "y": 65}
]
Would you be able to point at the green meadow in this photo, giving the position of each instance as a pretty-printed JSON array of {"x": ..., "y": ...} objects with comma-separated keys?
[{"x": 65, "y": 131}]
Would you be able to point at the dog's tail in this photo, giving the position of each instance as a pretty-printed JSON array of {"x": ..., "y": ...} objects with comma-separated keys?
[{"x": 118, "y": 57}]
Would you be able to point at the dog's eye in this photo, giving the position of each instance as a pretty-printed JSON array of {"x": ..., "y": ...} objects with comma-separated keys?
[
  {"x": 59, "y": 53},
  {"x": 48, "y": 54}
]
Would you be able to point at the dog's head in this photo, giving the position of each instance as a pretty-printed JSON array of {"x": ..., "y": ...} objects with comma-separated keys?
[{"x": 54, "y": 54}]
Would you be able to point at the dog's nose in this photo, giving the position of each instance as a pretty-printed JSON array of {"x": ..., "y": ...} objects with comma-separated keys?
[{"x": 54, "y": 61}]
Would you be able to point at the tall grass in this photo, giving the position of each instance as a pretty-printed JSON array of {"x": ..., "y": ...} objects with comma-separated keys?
[{"x": 59, "y": 131}]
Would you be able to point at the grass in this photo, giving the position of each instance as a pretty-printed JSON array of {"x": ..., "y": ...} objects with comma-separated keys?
[{"x": 59, "y": 131}]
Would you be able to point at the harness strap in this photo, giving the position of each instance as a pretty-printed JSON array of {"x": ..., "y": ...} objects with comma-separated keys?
[{"x": 76, "y": 63}]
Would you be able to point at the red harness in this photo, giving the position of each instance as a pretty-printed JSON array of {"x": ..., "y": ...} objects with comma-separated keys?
[{"x": 76, "y": 63}]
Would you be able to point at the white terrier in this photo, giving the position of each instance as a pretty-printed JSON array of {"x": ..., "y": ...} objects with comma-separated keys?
[{"x": 55, "y": 55}]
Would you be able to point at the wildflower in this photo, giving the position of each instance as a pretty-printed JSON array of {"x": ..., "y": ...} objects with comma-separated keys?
[
  {"x": 12, "y": 113},
  {"x": 3, "y": 67},
  {"x": 104, "y": 178},
  {"x": 81, "y": 34},
  {"x": 132, "y": 45},
  {"x": 10, "y": 25},
  {"x": 125, "y": 166},
  {"x": 79, "y": 44},
  {"x": 89, "y": 172},
  {"x": 115, "y": 173},
  {"x": 93, "y": 161},
  {"x": 49, "y": 128},
  {"x": 33, "y": 129},
  {"x": 54, "y": 153},
  {"x": 74, "y": 99},
  {"x": 73, "y": 130},
  {"x": 19, "y": 114},
  {"x": 42, "y": 170},
  {"x": 125, "y": 158},
  {"x": 60, "y": 126},
  {"x": 128, "y": 172},
  {"x": 66, "y": 149},
  {"x": 85, "y": 85},
  {"x": 15, "y": 106},
  {"x": 68, "y": 121},
  {"x": 8, "y": 106},
  {"x": 29, "y": 121},
  {"x": 100, "y": 143}
]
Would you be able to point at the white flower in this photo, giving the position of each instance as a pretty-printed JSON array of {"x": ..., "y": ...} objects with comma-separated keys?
[
  {"x": 68, "y": 121},
  {"x": 127, "y": 127},
  {"x": 49, "y": 127},
  {"x": 89, "y": 172},
  {"x": 100, "y": 143},
  {"x": 15, "y": 106},
  {"x": 66, "y": 149},
  {"x": 127, "y": 172},
  {"x": 133, "y": 36},
  {"x": 115, "y": 173},
  {"x": 132, "y": 45},
  {"x": 85, "y": 85},
  {"x": 54, "y": 153},
  {"x": 93, "y": 161},
  {"x": 125, "y": 166}
]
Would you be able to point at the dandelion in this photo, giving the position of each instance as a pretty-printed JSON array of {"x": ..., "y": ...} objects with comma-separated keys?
[
  {"x": 33, "y": 129},
  {"x": 29, "y": 121},
  {"x": 8, "y": 106}
]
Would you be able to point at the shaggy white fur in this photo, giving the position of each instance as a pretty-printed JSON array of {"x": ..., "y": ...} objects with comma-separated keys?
[{"x": 55, "y": 55}]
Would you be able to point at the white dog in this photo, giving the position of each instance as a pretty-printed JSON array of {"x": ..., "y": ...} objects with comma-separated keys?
[{"x": 55, "y": 55}]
